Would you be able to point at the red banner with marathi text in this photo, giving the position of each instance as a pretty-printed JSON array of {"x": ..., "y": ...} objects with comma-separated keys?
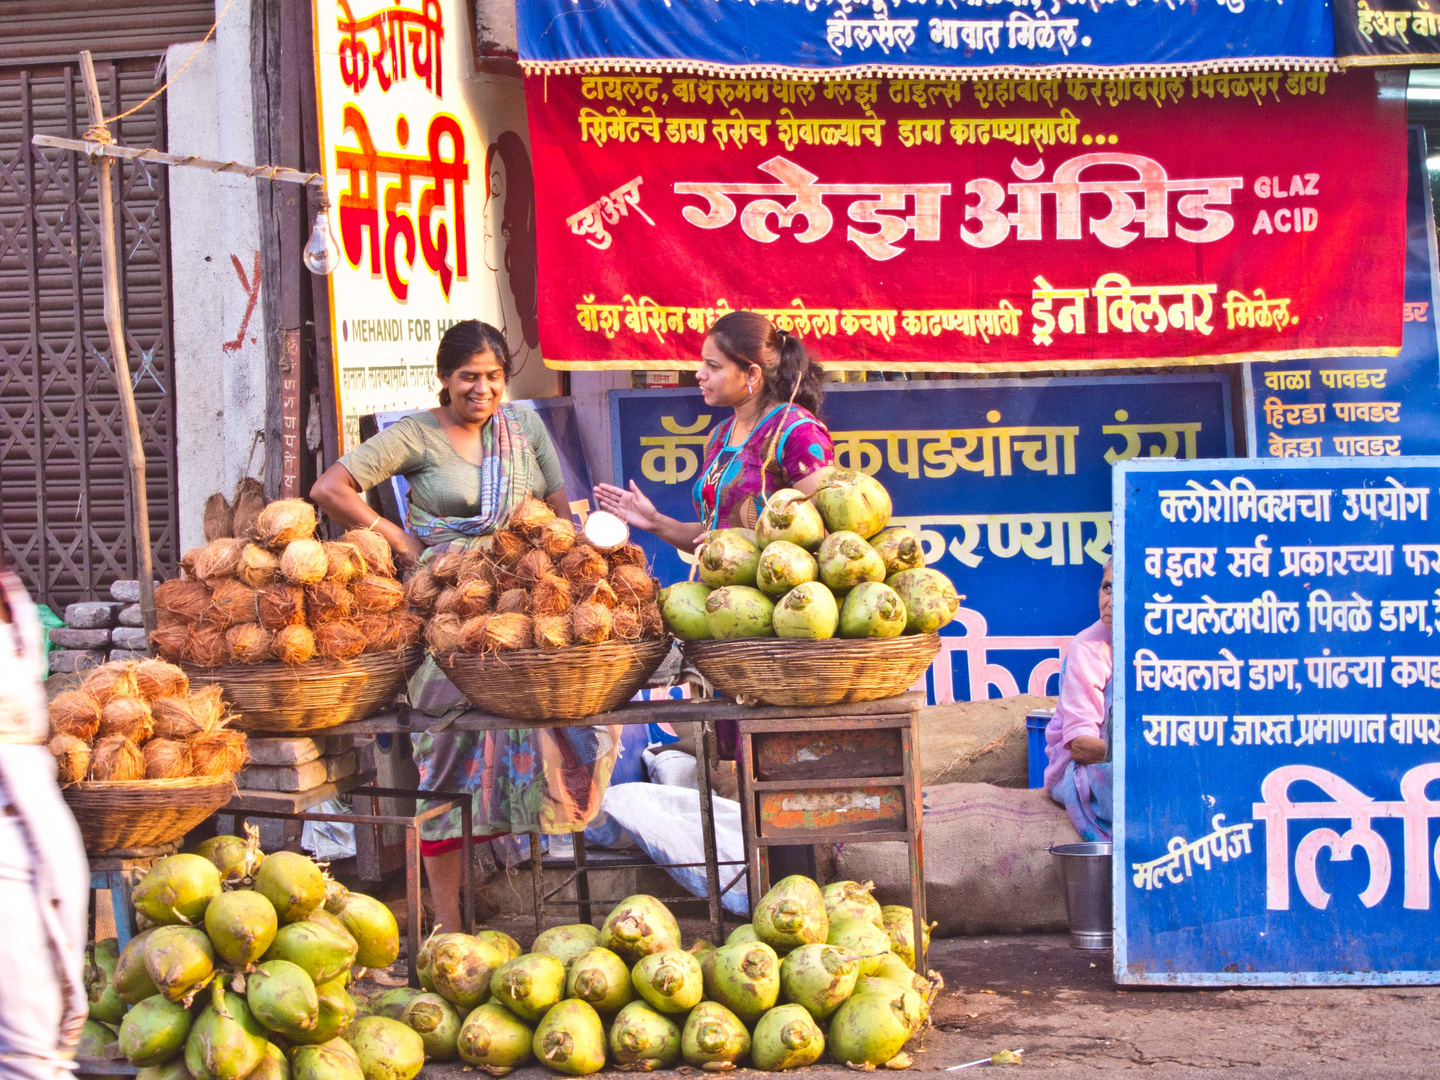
[{"x": 991, "y": 225}]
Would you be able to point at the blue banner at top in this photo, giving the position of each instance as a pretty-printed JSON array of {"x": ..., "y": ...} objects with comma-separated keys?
[{"x": 943, "y": 38}]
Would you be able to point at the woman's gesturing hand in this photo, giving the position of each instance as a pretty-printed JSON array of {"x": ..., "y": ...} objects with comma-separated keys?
[{"x": 632, "y": 506}]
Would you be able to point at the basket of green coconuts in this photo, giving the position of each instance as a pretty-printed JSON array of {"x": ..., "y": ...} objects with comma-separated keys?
[{"x": 823, "y": 602}]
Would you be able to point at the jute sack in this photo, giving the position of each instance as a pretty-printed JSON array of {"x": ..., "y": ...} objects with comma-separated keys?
[
  {"x": 987, "y": 869},
  {"x": 978, "y": 742}
]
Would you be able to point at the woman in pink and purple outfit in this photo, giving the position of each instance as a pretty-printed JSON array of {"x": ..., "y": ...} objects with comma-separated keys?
[{"x": 1077, "y": 740}]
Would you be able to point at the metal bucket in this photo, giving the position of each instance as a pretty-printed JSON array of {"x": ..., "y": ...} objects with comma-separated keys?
[{"x": 1085, "y": 870}]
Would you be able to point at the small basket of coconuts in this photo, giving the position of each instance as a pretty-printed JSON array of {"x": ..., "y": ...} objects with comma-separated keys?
[
  {"x": 300, "y": 634},
  {"x": 543, "y": 622}
]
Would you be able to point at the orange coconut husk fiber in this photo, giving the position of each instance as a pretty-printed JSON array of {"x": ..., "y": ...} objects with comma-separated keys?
[
  {"x": 339, "y": 640},
  {"x": 249, "y": 501},
  {"x": 530, "y": 569},
  {"x": 551, "y": 596},
  {"x": 187, "y": 563},
  {"x": 469, "y": 636},
  {"x": 111, "y": 681},
  {"x": 284, "y": 521},
  {"x": 128, "y": 716},
  {"x": 72, "y": 758},
  {"x": 174, "y": 718},
  {"x": 374, "y": 549},
  {"x": 442, "y": 634},
  {"x": 77, "y": 713},
  {"x": 327, "y": 601},
  {"x": 583, "y": 566},
  {"x": 552, "y": 631},
  {"x": 447, "y": 566},
  {"x": 590, "y": 623},
  {"x": 422, "y": 590},
  {"x": 629, "y": 554},
  {"x": 652, "y": 623},
  {"x": 115, "y": 757},
  {"x": 449, "y": 602},
  {"x": 170, "y": 641},
  {"x": 207, "y": 646},
  {"x": 556, "y": 537},
  {"x": 474, "y": 597},
  {"x": 530, "y": 517},
  {"x": 249, "y": 643},
  {"x": 375, "y": 595},
  {"x": 304, "y": 562},
  {"x": 513, "y": 601},
  {"x": 293, "y": 645},
  {"x": 602, "y": 593},
  {"x": 258, "y": 567},
  {"x": 504, "y": 633},
  {"x": 207, "y": 706},
  {"x": 220, "y": 752},
  {"x": 632, "y": 585},
  {"x": 477, "y": 566},
  {"x": 508, "y": 548},
  {"x": 218, "y": 560},
  {"x": 232, "y": 604},
  {"x": 157, "y": 679},
  {"x": 345, "y": 563},
  {"x": 166, "y": 759},
  {"x": 390, "y": 631},
  {"x": 625, "y": 624},
  {"x": 281, "y": 605},
  {"x": 186, "y": 600}
]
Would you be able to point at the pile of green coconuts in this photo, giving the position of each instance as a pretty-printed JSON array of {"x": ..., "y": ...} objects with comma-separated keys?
[{"x": 817, "y": 566}]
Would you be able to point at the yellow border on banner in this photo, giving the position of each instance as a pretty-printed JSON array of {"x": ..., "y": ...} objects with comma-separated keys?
[
  {"x": 1008, "y": 367},
  {"x": 1388, "y": 61}
]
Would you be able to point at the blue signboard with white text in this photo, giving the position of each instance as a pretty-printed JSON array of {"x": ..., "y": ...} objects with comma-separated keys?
[
  {"x": 1006, "y": 482},
  {"x": 1277, "y": 722}
]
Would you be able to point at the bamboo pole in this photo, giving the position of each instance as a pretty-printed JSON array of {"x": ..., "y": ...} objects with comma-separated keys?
[{"x": 114, "y": 325}]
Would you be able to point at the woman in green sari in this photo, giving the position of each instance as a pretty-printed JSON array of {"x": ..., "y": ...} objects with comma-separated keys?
[{"x": 469, "y": 463}]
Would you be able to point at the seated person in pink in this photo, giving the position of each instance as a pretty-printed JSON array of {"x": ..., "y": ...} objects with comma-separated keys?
[{"x": 1077, "y": 740}]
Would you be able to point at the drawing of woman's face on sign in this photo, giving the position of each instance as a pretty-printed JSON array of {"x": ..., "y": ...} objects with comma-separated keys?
[{"x": 510, "y": 240}]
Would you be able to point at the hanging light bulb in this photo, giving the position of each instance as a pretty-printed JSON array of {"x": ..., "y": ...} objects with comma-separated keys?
[{"x": 322, "y": 254}]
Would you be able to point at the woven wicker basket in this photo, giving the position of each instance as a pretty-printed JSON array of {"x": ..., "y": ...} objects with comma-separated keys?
[
  {"x": 556, "y": 684},
  {"x": 791, "y": 671},
  {"x": 286, "y": 698},
  {"x": 118, "y": 815}
]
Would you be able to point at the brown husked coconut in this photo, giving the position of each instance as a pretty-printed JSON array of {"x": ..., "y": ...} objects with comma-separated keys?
[
  {"x": 170, "y": 641},
  {"x": 390, "y": 631},
  {"x": 217, "y": 753},
  {"x": 602, "y": 593},
  {"x": 376, "y": 595},
  {"x": 293, "y": 645},
  {"x": 556, "y": 537},
  {"x": 632, "y": 585},
  {"x": 449, "y": 602},
  {"x": 374, "y": 549},
  {"x": 187, "y": 563},
  {"x": 532, "y": 567},
  {"x": 258, "y": 567},
  {"x": 217, "y": 520},
  {"x": 513, "y": 601},
  {"x": 218, "y": 560},
  {"x": 232, "y": 604},
  {"x": 174, "y": 719},
  {"x": 509, "y": 548},
  {"x": 186, "y": 600},
  {"x": 474, "y": 597},
  {"x": 281, "y": 605},
  {"x": 652, "y": 624},
  {"x": 157, "y": 679},
  {"x": 551, "y": 596},
  {"x": 304, "y": 562},
  {"x": 469, "y": 636},
  {"x": 207, "y": 706},
  {"x": 442, "y": 634},
  {"x": 339, "y": 640},
  {"x": 249, "y": 643},
  {"x": 166, "y": 759},
  {"x": 116, "y": 758},
  {"x": 326, "y": 601},
  {"x": 583, "y": 566},
  {"x": 72, "y": 758},
  {"x": 345, "y": 562},
  {"x": 128, "y": 716},
  {"x": 590, "y": 623},
  {"x": 477, "y": 567},
  {"x": 422, "y": 590},
  {"x": 629, "y": 554},
  {"x": 249, "y": 501},
  {"x": 207, "y": 646},
  {"x": 447, "y": 566},
  {"x": 283, "y": 522},
  {"x": 625, "y": 624},
  {"x": 552, "y": 631},
  {"x": 110, "y": 681},
  {"x": 77, "y": 713},
  {"x": 530, "y": 517},
  {"x": 505, "y": 633}
]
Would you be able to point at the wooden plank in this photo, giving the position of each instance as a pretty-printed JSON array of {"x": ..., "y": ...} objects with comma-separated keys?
[
  {"x": 828, "y": 753},
  {"x": 845, "y": 783},
  {"x": 296, "y": 802},
  {"x": 797, "y": 811}
]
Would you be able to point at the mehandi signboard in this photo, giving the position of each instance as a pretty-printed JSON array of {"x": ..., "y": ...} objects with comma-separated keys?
[
  {"x": 1378, "y": 406},
  {"x": 1007, "y": 483},
  {"x": 1277, "y": 722},
  {"x": 996, "y": 225}
]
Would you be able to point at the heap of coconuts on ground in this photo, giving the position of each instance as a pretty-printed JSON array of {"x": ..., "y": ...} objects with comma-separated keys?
[
  {"x": 243, "y": 971},
  {"x": 535, "y": 584},
  {"x": 815, "y": 567}
]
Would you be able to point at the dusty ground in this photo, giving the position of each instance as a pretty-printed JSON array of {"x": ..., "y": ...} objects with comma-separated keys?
[{"x": 1058, "y": 1004}]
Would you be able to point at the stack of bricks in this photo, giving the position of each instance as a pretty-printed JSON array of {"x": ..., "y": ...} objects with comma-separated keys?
[
  {"x": 297, "y": 764},
  {"x": 100, "y": 630}
]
